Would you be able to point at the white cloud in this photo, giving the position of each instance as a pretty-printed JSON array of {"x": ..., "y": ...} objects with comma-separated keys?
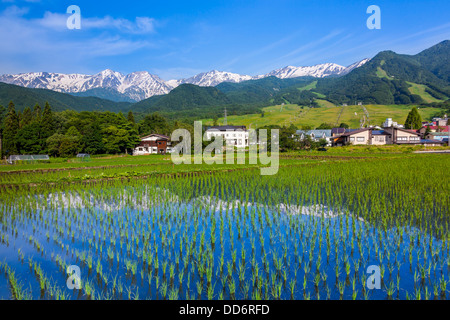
[
  {"x": 57, "y": 22},
  {"x": 47, "y": 44}
]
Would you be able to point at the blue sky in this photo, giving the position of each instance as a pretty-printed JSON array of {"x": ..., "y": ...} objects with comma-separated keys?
[{"x": 177, "y": 39}]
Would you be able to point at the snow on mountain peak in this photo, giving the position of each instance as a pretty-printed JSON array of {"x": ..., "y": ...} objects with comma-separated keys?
[
  {"x": 212, "y": 78},
  {"x": 141, "y": 84},
  {"x": 318, "y": 71}
]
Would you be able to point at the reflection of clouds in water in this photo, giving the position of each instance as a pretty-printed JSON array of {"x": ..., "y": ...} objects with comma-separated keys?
[
  {"x": 146, "y": 200},
  {"x": 152, "y": 197},
  {"x": 317, "y": 210}
]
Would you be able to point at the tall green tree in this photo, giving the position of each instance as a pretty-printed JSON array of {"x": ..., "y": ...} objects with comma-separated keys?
[
  {"x": 11, "y": 129},
  {"x": 37, "y": 113},
  {"x": 47, "y": 126},
  {"x": 130, "y": 117},
  {"x": 413, "y": 120},
  {"x": 19, "y": 118},
  {"x": 27, "y": 117}
]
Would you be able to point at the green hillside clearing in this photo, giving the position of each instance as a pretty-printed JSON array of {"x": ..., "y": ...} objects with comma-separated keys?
[
  {"x": 419, "y": 89},
  {"x": 305, "y": 116}
]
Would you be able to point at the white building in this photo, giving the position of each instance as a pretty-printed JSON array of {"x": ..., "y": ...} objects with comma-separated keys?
[
  {"x": 233, "y": 135},
  {"x": 389, "y": 123}
]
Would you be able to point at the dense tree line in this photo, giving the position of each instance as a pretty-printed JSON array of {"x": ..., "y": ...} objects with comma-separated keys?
[{"x": 66, "y": 133}]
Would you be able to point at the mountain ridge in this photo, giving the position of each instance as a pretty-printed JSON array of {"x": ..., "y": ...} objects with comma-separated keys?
[{"x": 140, "y": 85}]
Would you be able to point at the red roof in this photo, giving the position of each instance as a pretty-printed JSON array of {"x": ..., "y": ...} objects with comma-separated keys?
[
  {"x": 442, "y": 128},
  {"x": 411, "y": 130}
]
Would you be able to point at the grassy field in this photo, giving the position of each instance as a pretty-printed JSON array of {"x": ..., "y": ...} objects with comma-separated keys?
[
  {"x": 138, "y": 167},
  {"x": 419, "y": 89},
  {"x": 327, "y": 113}
]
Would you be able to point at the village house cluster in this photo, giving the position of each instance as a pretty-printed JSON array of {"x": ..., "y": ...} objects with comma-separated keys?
[{"x": 434, "y": 133}]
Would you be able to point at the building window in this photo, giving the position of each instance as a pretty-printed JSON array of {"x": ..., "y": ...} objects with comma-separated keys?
[
  {"x": 360, "y": 139},
  {"x": 352, "y": 138}
]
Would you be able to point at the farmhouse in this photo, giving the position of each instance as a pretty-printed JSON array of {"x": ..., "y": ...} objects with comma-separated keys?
[
  {"x": 233, "y": 135},
  {"x": 371, "y": 136},
  {"x": 153, "y": 144}
]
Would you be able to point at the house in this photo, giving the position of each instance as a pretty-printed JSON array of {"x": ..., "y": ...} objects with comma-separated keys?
[
  {"x": 315, "y": 135},
  {"x": 372, "y": 136},
  {"x": 433, "y": 129},
  {"x": 403, "y": 136},
  {"x": 356, "y": 137},
  {"x": 233, "y": 135},
  {"x": 153, "y": 144}
]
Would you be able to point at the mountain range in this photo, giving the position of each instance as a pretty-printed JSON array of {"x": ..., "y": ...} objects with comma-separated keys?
[
  {"x": 387, "y": 78},
  {"x": 138, "y": 86}
]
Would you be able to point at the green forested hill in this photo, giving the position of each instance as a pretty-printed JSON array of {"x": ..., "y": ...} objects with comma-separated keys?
[
  {"x": 26, "y": 97},
  {"x": 437, "y": 60},
  {"x": 387, "y": 78},
  {"x": 188, "y": 100},
  {"x": 105, "y": 93},
  {"x": 261, "y": 90}
]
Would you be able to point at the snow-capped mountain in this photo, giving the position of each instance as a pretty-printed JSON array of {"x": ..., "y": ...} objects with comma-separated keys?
[
  {"x": 214, "y": 77},
  {"x": 318, "y": 71},
  {"x": 354, "y": 66},
  {"x": 142, "y": 85},
  {"x": 136, "y": 85}
]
